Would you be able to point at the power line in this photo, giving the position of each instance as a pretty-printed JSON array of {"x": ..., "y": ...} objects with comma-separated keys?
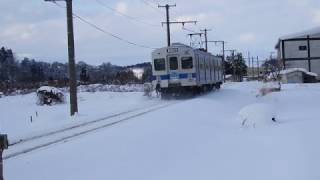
[
  {"x": 195, "y": 34},
  {"x": 151, "y": 6},
  {"x": 104, "y": 31},
  {"x": 189, "y": 30},
  {"x": 148, "y": 3},
  {"x": 127, "y": 16},
  {"x": 168, "y": 22}
]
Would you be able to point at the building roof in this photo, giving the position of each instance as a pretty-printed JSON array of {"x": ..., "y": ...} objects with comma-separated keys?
[
  {"x": 291, "y": 70},
  {"x": 312, "y": 33}
]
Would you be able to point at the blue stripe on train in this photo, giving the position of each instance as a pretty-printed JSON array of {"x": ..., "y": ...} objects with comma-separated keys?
[
  {"x": 164, "y": 77},
  {"x": 181, "y": 76}
]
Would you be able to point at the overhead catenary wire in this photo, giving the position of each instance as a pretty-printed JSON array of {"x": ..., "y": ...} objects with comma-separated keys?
[
  {"x": 189, "y": 30},
  {"x": 104, "y": 31},
  {"x": 127, "y": 16},
  {"x": 151, "y": 6}
]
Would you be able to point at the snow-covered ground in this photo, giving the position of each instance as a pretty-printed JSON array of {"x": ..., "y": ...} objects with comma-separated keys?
[
  {"x": 201, "y": 138},
  {"x": 16, "y": 111}
]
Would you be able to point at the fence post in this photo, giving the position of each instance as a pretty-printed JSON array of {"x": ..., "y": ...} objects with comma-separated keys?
[{"x": 3, "y": 145}]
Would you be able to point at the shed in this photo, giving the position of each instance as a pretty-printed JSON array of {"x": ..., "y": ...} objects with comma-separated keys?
[
  {"x": 300, "y": 50},
  {"x": 297, "y": 75}
]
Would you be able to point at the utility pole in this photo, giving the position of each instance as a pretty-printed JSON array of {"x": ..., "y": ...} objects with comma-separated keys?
[
  {"x": 206, "y": 37},
  {"x": 258, "y": 66},
  {"x": 71, "y": 56},
  {"x": 168, "y": 22},
  {"x": 223, "y": 53},
  {"x": 3, "y": 145},
  {"x": 252, "y": 64},
  {"x": 249, "y": 63},
  {"x": 223, "y": 45},
  {"x": 233, "y": 63}
]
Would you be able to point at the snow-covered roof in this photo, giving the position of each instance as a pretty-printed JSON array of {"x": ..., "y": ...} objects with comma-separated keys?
[
  {"x": 291, "y": 70},
  {"x": 314, "y": 32},
  {"x": 49, "y": 89}
]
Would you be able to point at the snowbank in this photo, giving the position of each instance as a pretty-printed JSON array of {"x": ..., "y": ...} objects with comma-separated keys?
[
  {"x": 111, "y": 88},
  {"x": 258, "y": 114}
]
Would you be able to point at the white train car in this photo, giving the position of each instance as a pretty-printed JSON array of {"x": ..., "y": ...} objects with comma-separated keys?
[{"x": 181, "y": 68}]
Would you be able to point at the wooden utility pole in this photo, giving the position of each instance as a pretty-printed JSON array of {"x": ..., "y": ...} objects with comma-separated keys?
[
  {"x": 206, "y": 37},
  {"x": 168, "y": 22},
  {"x": 249, "y": 64},
  {"x": 3, "y": 145},
  {"x": 71, "y": 55}
]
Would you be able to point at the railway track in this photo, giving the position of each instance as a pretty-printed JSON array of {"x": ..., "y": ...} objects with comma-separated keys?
[{"x": 31, "y": 144}]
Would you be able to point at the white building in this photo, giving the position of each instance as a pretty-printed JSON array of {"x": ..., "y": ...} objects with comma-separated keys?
[{"x": 301, "y": 50}]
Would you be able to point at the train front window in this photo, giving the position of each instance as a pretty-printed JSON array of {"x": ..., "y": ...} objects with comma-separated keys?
[
  {"x": 173, "y": 63},
  {"x": 187, "y": 63},
  {"x": 159, "y": 64}
]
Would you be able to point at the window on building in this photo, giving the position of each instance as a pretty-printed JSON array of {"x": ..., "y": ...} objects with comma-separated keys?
[
  {"x": 173, "y": 63},
  {"x": 187, "y": 63},
  {"x": 159, "y": 64},
  {"x": 302, "y": 48}
]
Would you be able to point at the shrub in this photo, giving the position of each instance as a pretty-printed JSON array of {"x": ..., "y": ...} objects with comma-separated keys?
[{"x": 49, "y": 95}]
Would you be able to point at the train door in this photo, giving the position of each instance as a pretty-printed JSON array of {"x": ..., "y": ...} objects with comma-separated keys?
[
  {"x": 210, "y": 66},
  {"x": 208, "y": 70},
  {"x": 202, "y": 70},
  {"x": 173, "y": 68},
  {"x": 215, "y": 70},
  {"x": 212, "y": 69},
  {"x": 220, "y": 68},
  {"x": 198, "y": 68}
]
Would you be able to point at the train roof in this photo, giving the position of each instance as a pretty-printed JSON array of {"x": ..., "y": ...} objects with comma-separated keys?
[{"x": 180, "y": 45}]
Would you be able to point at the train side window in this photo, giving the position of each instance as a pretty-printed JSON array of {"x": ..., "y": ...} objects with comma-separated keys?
[
  {"x": 187, "y": 62},
  {"x": 173, "y": 61},
  {"x": 160, "y": 64}
]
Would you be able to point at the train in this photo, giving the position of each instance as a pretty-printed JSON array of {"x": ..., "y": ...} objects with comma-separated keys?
[{"x": 180, "y": 69}]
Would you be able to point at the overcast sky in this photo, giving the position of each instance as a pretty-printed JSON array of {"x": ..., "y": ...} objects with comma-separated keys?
[{"x": 37, "y": 29}]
